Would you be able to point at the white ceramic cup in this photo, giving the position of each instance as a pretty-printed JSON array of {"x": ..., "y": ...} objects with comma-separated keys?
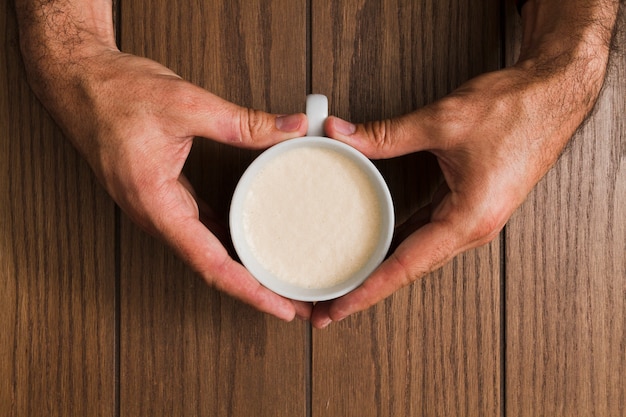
[{"x": 317, "y": 111}]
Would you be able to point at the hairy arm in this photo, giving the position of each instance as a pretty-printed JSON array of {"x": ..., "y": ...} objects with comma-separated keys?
[
  {"x": 56, "y": 36},
  {"x": 565, "y": 50},
  {"x": 134, "y": 121},
  {"x": 494, "y": 138}
]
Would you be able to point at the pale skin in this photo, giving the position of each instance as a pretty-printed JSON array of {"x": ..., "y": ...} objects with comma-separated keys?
[{"x": 494, "y": 137}]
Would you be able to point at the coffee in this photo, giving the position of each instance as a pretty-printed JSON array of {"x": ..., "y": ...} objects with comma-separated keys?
[{"x": 311, "y": 217}]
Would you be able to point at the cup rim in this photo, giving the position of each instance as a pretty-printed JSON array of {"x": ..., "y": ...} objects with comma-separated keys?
[{"x": 277, "y": 285}]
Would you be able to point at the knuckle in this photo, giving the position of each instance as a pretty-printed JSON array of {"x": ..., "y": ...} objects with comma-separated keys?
[
  {"x": 380, "y": 134},
  {"x": 485, "y": 229},
  {"x": 252, "y": 125},
  {"x": 403, "y": 270}
]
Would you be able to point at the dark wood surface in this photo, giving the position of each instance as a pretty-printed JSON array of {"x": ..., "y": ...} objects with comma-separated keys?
[
  {"x": 565, "y": 272},
  {"x": 433, "y": 348},
  {"x": 204, "y": 353},
  {"x": 57, "y": 254},
  {"x": 98, "y": 318}
]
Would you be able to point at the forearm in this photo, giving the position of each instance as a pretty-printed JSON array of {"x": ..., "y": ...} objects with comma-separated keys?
[
  {"x": 566, "y": 45},
  {"x": 56, "y": 36}
]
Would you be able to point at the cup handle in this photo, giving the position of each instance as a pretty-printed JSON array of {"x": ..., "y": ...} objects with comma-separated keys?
[{"x": 316, "y": 112}]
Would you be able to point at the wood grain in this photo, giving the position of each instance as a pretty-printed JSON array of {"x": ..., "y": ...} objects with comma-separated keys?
[
  {"x": 538, "y": 331},
  {"x": 186, "y": 349},
  {"x": 433, "y": 348},
  {"x": 566, "y": 272},
  {"x": 57, "y": 282},
  {"x": 8, "y": 283}
]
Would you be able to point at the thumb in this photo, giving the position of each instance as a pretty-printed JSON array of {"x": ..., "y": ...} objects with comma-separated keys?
[
  {"x": 383, "y": 138},
  {"x": 220, "y": 120}
]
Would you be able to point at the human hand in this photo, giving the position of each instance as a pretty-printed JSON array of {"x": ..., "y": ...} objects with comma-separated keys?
[
  {"x": 134, "y": 122},
  {"x": 494, "y": 139},
  {"x": 488, "y": 166},
  {"x": 136, "y": 132}
]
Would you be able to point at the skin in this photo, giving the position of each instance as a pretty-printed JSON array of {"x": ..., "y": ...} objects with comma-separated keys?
[
  {"x": 137, "y": 140},
  {"x": 494, "y": 137}
]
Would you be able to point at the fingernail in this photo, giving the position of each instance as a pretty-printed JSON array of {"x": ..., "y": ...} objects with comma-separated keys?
[
  {"x": 289, "y": 123},
  {"x": 325, "y": 323},
  {"x": 343, "y": 127}
]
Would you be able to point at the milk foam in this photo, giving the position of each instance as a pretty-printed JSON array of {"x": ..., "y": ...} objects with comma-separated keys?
[{"x": 311, "y": 217}]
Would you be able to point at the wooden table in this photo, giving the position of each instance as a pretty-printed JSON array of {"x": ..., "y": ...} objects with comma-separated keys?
[{"x": 99, "y": 319}]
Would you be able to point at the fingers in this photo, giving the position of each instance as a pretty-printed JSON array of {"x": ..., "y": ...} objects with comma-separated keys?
[
  {"x": 214, "y": 118},
  {"x": 208, "y": 219},
  {"x": 303, "y": 309},
  {"x": 427, "y": 249},
  {"x": 175, "y": 219},
  {"x": 204, "y": 253},
  {"x": 455, "y": 226},
  {"x": 385, "y": 138}
]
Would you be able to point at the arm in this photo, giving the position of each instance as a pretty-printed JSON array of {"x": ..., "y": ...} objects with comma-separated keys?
[
  {"x": 134, "y": 121},
  {"x": 494, "y": 138}
]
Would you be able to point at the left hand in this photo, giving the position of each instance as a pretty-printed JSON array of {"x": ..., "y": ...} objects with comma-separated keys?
[{"x": 494, "y": 138}]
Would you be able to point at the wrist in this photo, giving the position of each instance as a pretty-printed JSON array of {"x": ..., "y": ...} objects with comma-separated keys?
[{"x": 577, "y": 27}]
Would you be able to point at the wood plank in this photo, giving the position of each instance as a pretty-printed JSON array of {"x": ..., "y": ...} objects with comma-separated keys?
[
  {"x": 185, "y": 348},
  {"x": 8, "y": 283},
  {"x": 433, "y": 348},
  {"x": 566, "y": 272},
  {"x": 57, "y": 282}
]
